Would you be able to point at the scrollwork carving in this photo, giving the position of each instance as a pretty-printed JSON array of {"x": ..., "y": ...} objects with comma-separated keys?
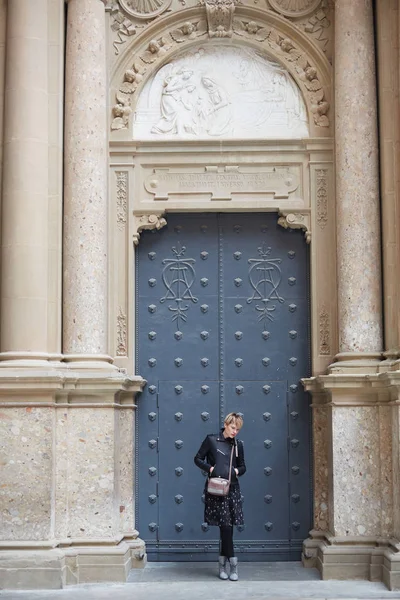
[
  {"x": 141, "y": 222},
  {"x": 219, "y": 17},
  {"x": 291, "y": 220}
]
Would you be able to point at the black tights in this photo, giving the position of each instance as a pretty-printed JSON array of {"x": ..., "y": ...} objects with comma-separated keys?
[{"x": 226, "y": 542}]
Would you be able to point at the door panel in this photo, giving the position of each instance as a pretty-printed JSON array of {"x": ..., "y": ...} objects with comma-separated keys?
[{"x": 223, "y": 325}]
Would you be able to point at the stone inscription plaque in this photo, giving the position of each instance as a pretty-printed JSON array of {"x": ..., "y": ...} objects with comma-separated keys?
[{"x": 221, "y": 183}]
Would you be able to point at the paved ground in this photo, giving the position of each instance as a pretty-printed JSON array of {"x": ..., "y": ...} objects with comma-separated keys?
[{"x": 198, "y": 581}]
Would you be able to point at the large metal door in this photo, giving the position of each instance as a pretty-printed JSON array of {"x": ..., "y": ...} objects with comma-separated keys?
[{"x": 222, "y": 325}]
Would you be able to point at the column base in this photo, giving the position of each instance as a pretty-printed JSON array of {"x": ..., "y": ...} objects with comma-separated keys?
[
  {"x": 37, "y": 360},
  {"x": 356, "y": 362},
  {"x": 27, "y": 568},
  {"x": 372, "y": 559}
]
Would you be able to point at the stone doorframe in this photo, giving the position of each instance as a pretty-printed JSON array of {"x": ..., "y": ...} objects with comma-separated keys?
[{"x": 300, "y": 173}]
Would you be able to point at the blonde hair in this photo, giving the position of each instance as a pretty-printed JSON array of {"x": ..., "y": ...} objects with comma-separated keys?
[{"x": 234, "y": 417}]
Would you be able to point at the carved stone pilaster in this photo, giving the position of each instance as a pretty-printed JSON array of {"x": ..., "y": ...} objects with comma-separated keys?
[
  {"x": 296, "y": 220},
  {"x": 141, "y": 222}
]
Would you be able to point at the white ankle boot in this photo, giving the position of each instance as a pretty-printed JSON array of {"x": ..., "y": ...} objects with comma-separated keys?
[
  {"x": 234, "y": 569},
  {"x": 222, "y": 567}
]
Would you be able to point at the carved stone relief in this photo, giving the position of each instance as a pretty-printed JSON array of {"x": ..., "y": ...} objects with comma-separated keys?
[
  {"x": 220, "y": 91},
  {"x": 294, "y": 8},
  {"x": 197, "y": 95},
  {"x": 219, "y": 17},
  {"x": 319, "y": 26},
  {"x": 145, "y": 9},
  {"x": 322, "y": 196},
  {"x": 290, "y": 220},
  {"x": 324, "y": 332},
  {"x": 141, "y": 222},
  {"x": 287, "y": 50},
  {"x": 123, "y": 28},
  {"x": 122, "y": 198},
  {"x": 121, "y": 333}
]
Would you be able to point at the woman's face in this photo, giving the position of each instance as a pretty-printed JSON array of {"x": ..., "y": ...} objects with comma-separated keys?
[{"x": 231, "y": 430}]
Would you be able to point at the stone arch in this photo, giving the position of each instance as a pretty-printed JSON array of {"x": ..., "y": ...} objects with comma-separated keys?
[{"x": 262, "y": 30}]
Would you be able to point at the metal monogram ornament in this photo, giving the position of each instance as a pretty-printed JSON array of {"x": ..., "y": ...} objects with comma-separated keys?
[
  {"x": 178, "y": 276},
  {"x": 265, "y": 277}
]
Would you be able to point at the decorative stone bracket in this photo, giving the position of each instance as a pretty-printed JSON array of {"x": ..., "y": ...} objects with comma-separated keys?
[
  {"x": 290, "y": 220},
  {"x": 220, "y": 17},
  {"x": 141, "y": 222}
]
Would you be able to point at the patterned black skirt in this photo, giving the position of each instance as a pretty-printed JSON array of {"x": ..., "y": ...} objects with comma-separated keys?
[{"x": 224, "y": 510}]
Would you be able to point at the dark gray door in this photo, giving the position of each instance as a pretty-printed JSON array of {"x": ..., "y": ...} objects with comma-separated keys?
[{"x": 222, "y": 325}]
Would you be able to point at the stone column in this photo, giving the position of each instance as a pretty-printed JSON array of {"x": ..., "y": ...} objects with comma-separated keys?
[
  {"x": 85, "y": 191},
  {"x": 24, "y": 273},
  {"x": 3, "y": 20},
  {"x": 388, "y": 31},
  {"x": 357, "y": 186}
]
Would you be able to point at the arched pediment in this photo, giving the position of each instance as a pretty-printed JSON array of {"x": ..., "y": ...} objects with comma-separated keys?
[{"x": 262, "y": 32}]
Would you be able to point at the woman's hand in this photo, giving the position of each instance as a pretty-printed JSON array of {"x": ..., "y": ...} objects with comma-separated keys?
[
  {"x": 237, "y": 472},
  {"x": 211, "y": 470}
]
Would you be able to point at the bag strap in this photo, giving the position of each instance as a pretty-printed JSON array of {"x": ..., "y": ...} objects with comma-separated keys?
[{"x": 230, "y": 465}]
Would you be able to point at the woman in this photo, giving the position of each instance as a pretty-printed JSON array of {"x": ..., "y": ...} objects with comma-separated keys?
[{"x": 224, "y": 511}]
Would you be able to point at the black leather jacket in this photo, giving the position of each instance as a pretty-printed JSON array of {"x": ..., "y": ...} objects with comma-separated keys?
[{"x": 215, "y": 451}]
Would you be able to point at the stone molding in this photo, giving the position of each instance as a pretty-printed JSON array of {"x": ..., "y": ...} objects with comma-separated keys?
[
  {"x": 296, "y": 220},
  {"x": 275, "y": 35},
  {"x": 24, "y": 566},
  {"x": 56, "y": 387},
  {"x": 148, "y": 222}
]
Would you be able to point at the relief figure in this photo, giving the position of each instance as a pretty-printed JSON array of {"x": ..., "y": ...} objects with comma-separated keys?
[
  {"x": 219, "y": 112},
  {"x": 176, "y": 106}
]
